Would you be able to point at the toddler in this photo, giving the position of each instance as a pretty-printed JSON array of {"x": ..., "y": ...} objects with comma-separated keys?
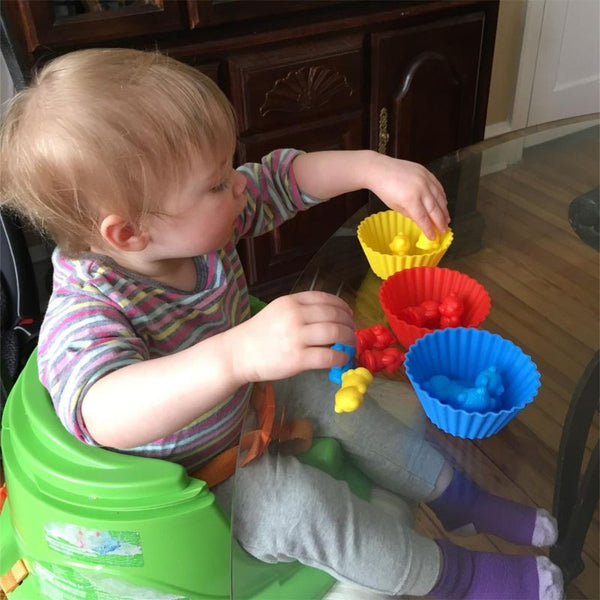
[{"x": 148, "y": 346}]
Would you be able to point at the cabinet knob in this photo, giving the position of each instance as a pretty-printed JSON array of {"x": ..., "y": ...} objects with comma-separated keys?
[{"x": 384, "y": 136}]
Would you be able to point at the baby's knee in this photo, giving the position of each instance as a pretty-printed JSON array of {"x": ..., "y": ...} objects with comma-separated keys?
[{"x": 282, "y": 497}]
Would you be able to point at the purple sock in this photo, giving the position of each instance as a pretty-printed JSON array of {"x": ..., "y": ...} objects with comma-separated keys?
[
  {"x": 464, "y": 508},
  {"x": 469, "y": 575}
]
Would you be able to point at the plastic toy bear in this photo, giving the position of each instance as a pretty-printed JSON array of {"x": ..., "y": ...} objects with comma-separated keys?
[
  {"x": 375, "y": 360},
  {"x": 451, "y": 310},
  {"x": 400, "y": 245},
  {"x": 376, "y": 336},
  {"x": 375, "y": 351},
  {"x": 431, "y": 313},
  {"x": 427, "y": 314},
  {"x": 475, "y": 400},
  {"x": 354, "y": 385},
  {"x": 424, "y": 243},
  {"x": 482, "y": 397},
  {"x": 491, "y": 380},
  {"x": 335, "y": 373}
]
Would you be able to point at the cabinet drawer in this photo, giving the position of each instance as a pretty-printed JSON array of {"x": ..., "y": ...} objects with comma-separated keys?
[
  {"x": 62, "y": 23},
  {"x": 210, "y": 69},
  {"x": 293, "y": 84}
]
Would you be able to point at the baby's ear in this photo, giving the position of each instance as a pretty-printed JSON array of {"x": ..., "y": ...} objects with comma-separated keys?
[{"x": 121, "y": 235}]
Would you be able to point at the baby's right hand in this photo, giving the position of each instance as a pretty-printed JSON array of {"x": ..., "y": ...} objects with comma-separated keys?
[{"x": 293, "y": 334}]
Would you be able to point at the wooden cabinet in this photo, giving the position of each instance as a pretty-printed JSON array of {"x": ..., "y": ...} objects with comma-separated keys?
[
  {"x": 424, "y": 92},
  {"x": 407, "y": 78},
  {"x": 308, "y": 96}
]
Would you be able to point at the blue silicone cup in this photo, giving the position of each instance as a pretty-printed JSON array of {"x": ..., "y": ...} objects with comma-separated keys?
[{"x": 461, "y": 353}]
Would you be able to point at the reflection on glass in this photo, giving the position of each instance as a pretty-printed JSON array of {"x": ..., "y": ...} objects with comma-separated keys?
[
  {"x": 525, "y": 218},
  {"x": 73, "y": 8}
]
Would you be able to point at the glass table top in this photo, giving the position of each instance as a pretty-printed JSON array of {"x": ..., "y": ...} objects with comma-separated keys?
[{"x": 524, "y": 213}]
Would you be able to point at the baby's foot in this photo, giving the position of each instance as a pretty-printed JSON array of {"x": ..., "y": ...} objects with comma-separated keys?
[
  {"x": 550, "y": 579},
  {"x": 545, "y": 531},
  {"x": 470, "y": 575},
  {"x": 465, "y": 509}
]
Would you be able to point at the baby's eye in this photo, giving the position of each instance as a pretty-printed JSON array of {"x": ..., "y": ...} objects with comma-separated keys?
[{"x": 221, "y": 187}]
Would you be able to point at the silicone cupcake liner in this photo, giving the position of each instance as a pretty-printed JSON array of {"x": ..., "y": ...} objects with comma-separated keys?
[
  {"x": 412, "y": 286},
  {"x": 461, "y": 353},
  {"x": 375, "y": 233}
]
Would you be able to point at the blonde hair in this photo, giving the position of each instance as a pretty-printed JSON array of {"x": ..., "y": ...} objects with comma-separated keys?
[{"x": 105, "y": 130}]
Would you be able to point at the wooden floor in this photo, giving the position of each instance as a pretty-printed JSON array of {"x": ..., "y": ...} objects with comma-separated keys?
[{"x": 530, "y": 306}]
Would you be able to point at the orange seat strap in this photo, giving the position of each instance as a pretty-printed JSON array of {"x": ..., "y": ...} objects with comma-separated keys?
[
  {"x": 292, "y": 437},
  {"x": 11, "y": 580}
]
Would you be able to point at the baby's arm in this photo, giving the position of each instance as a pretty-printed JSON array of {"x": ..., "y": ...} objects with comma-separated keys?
[
  {"x": 150, "y": 399},
  {"x": 402, "y": 185}
]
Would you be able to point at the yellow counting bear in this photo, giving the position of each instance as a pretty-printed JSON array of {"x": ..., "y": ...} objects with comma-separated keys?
[
  {"x": 424, "y": 243},
  {"x": 400, "y": 245},
  {"x": 354, "y": 385}
]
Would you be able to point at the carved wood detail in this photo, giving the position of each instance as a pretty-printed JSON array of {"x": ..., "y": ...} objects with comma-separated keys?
[{"x": 305, "y": 89}]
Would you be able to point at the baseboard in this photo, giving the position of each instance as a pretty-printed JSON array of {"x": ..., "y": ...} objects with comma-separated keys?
[
  {"x": 497, "y": 158},
  {"x": 496, "y": 129}
]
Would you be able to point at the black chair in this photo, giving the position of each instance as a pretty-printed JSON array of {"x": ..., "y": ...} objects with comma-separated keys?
[
  {"x": 576, "y": 494},
  {"x": 20, "y": 311}
]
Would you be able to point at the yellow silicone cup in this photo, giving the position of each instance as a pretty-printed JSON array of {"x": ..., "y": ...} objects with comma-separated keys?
[{"x": 375, "y": 233}]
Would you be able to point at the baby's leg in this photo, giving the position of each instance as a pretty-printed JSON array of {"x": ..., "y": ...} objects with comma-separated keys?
[
  {"x": 287, "y": 511},
  {"x": 472, "y": 575},
  {"x": 465, "y": 509},
  {"x": 398, "y": 458}
]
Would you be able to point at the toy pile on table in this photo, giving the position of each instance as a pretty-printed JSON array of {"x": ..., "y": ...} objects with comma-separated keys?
[
  {"x": 375, "y": 351},
  {"x": 469, "y": 381}
]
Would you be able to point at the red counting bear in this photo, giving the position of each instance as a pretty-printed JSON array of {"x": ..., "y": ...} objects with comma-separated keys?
[
  {"x": 376, "y": 336},
  {"x": 375, "y": 351},
  {"x": 375, "y": 360},
  {"x": 451, "y": 310},
  {"x": 433, "y": 314},
  {"x": 414, "y": 315}
]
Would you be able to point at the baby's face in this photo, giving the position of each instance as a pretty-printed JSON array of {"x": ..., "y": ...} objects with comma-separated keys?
[{"x": 200, "y": 215}]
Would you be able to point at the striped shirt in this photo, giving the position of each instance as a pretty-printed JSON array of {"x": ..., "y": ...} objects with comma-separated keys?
[{"x": 101, "y": 318}]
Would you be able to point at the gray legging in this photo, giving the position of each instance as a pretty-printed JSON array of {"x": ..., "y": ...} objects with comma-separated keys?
[{"x": 285, "y": 510}]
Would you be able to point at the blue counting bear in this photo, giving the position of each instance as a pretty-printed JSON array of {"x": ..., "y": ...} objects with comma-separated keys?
[
  {"x": 483, "y": 397},
  {"x": 335, "y": 373},
  {"x": 491, "y": 380}
]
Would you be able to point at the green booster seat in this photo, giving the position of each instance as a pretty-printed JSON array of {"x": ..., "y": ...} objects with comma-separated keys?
[{"x": 92, "y": 524}]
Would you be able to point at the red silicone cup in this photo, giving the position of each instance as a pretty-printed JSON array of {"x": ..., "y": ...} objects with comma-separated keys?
[{"x": 412, "y": 286}]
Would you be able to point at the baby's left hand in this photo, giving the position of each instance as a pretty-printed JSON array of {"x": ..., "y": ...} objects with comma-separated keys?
[{"x": 411, "y": 189}]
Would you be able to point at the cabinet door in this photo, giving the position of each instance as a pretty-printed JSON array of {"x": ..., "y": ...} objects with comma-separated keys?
[
  {"x": 424, "y": 89},
  {"x": 60, "y": 23},
  {"x": 281, "y": 254}
]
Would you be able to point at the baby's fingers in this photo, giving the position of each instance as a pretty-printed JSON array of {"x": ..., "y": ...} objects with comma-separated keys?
[
  {"x": 327, "y": 334},
  {"x": 323, "y": 358},
  {"x": 315, "y": 297},
  {"x": 420, "y": 215},
  {"x": 438, "y": 214},
  {"x": 327, "y": 316},
  {"x": 430, "y": 215}
]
